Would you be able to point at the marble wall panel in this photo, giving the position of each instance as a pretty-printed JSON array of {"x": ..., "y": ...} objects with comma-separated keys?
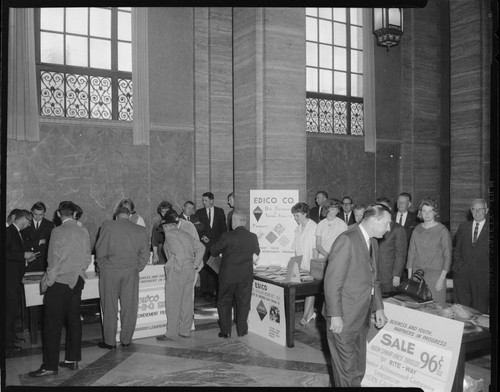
[
  {"x": 387, "y": 170},
  {"x": 340, "y": 167}
]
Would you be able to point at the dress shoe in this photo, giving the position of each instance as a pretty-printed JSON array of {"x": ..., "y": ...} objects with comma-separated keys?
[
  {"x": 125, "y": 345},
  {"x": 104, "y": 345},
  {"x": 42, "y": 373},
  {"x": 69, "y": 365},
  {"x": 164, "y": 337},
  {"x": 224, "y": 335},
  {"x": 242, "y": 334},
  {"x": 304, "y": 322}
]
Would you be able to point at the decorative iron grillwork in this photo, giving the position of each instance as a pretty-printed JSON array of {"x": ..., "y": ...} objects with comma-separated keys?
[
  {"x": 334, "y": 116},
  {"x": 125, "y": 101},
  {"x": 84, "y": 96}
]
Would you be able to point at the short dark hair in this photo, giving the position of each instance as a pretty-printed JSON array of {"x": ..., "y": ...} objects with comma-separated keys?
[
  {"x": 128, "y": 201},
  {"x": 66, "y": 208},
  {"x": 324, "y": 193},
  {"x": 301, "y": 207},
  {"x": 406, "y": 194},
  {"x": 163, "y": 204},
  {"x": 347, "y": 197},
  {"x": 382, "y": 200},
  {"x": 17, "y": 213},
  {"x": 39, "y": 206},
  {"x": 79, "y": 212},
  {"x": 188, "y": 202},
  {"x": 122, "y": 210},
  {"x": 210, "y": 195}
]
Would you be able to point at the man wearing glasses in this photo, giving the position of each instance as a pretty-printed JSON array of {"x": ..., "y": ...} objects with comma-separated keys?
[
  {"x": 347, "y": 214},
  {"x": 471, "y": 262}
]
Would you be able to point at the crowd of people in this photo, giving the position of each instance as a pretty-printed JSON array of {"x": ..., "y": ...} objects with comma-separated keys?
[{"x": 368, "y": 251}]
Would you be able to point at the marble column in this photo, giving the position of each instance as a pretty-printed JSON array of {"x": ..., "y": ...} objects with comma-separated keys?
[{"x": 269, "y": 101}]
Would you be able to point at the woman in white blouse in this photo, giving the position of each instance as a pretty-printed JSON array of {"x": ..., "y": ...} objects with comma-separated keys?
[
  {"x": 304, "y": 244},
  {"x": 329, "y": 229}
]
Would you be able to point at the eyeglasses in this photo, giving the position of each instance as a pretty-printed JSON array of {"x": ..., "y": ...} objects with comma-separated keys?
[
  {"x": 478, "y": 209},
  {"x": 346, "y": 204}
]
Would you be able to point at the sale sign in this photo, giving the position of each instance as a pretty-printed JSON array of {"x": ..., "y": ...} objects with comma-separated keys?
[{"x": 414, "y": 349}]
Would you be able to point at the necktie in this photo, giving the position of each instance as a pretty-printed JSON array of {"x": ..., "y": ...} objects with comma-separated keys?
[
  {"x": 210, "y": 217},
  {"x": 346, "y": 218},
  {"x": 188, "y": 218},
  {"x": 401, "y": 219},
  {"x": 476, "y": 229},
  {"x": 370, "y": 246}
]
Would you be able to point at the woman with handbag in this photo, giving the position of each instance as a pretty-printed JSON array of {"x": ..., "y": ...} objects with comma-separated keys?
[{"x": 430, "y": 250}]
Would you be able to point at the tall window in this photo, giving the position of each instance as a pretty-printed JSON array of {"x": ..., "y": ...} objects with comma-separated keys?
[
  {"x": 334, "y": 69},
  {"x": 84, "y": 62}
]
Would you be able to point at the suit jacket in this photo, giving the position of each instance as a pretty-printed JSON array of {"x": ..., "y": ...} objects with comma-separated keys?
[
  {"x": 352, "y": 219},
  {"x": 194, "y": 220},
  {"x": 14, "y": 256},
  {"x": 237, "y": 248},
  {"x": 32, "y": 238},
  {"x": 183, "y": 250},
  {"x": 411, "y": 222},
  {"x": 349, "y": 277},
  {"x": 219, "y": 225},
  {"x": 392, "y": 251},
  {"x": 314, "y": 214},
  {"x": 122, "y": 244},
  {"x": 472, "y": 259}
]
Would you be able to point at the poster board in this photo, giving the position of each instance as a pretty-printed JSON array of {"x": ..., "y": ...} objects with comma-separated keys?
[
  {"x": 414, "y": 349},
  {"x": 272, "y": 221},
  {"x": 267, "y": 312},
  {"x": 151, "y": 314}
]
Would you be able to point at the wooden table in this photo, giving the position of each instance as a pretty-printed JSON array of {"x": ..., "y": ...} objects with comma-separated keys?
[
  {"x": 471, "y": 342},
  {"x": 291, "y": 292}
]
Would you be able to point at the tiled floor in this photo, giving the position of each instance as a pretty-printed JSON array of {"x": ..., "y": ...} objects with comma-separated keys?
[{"x": 203, "y": 359}]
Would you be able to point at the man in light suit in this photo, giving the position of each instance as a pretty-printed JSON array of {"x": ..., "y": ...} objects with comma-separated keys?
[
  {"x": 17, "y": 257},
  {"x": 392, "y": 249},
  {"x": 406, "y": 218},
  {"x": 315, "y": 212},
  {"x": 37, "y": 236},
  {"x": 471, "y": 270},
  {"x": 122, "y": 251},
  {"x": 238, "y": 248},
  {"x": 352, "y": 294},
  {"x": 67, "y": 260},
  {"x": 185, "y": 257},
  {"x": 213, "y": 220}
]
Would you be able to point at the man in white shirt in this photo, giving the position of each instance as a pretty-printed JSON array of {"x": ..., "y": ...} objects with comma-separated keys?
[
  {"x": 347, "y": 214},
  {"x": 404, "y": 216}
]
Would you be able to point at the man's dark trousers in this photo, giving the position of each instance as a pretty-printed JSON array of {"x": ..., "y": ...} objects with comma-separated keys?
[{"x": 61, "y": 303}]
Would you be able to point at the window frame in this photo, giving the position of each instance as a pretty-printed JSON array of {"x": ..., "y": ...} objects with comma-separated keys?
[
  {"x": 335, "y": 98},
  {"x": 113, "y": 74}
]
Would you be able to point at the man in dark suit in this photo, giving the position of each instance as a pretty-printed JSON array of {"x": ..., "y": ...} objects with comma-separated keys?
[
  {"x": 471, "y": 271},
  {"x": 67, "y": 260},
  {"x": 188, "y": 213},
  {"x": 315, "y": 212},
  {"x": 214, "y": 224},
  {"x": 121, "y": 253},
  {"x": 406, "y": 218},
  {"x": 16, "y": 258},
  {"x": 347, "y": 214},
  {"x": 238, "y": 248},
  {"x": 230, "y": 203},
  {"x": 392, "y": 249},
  {"x": 352, "y": 294},
  {"x": 36, "y": 237}
]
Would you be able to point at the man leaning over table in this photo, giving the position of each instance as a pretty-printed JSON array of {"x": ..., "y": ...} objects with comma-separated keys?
[
  {"x": 68, "y": 258},
  {"x": 352, "y": 293},
  {"x": 122, "y": 251}
]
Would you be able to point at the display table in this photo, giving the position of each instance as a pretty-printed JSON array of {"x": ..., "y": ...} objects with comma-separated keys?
[
  {"x": 291, "y": 292},
  {"x": 34, "y": 298}
]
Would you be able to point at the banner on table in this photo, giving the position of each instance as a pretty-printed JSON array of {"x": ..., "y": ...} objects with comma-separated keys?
[
  {"x": 267, "y": 312},
  {"x": 151, "y": 315},
  {"x": 272, "y": 221},
  {"x": 414, "y": 349}
]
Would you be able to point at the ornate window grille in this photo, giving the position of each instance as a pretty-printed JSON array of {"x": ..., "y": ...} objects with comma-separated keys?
[
  {"x": 334, "y": 96},
  {"x": 84, "y": 63}
]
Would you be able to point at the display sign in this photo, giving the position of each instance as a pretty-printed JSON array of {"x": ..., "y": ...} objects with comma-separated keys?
[
  {"x": 267, "y": 312},
  {"x": 272, "y": 221},
  {"x": 151, "y": 315},
  {"x": 414, "y": 349}
]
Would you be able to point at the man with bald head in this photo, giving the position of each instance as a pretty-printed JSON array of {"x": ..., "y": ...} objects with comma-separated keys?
[{"x": 471, "y": 271}]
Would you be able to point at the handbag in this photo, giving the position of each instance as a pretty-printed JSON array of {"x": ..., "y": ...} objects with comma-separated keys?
[{"x": 416, "y": 287}]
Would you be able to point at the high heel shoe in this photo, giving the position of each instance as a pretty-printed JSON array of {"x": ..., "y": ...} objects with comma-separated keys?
[{"x": 304, "y": 322}]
